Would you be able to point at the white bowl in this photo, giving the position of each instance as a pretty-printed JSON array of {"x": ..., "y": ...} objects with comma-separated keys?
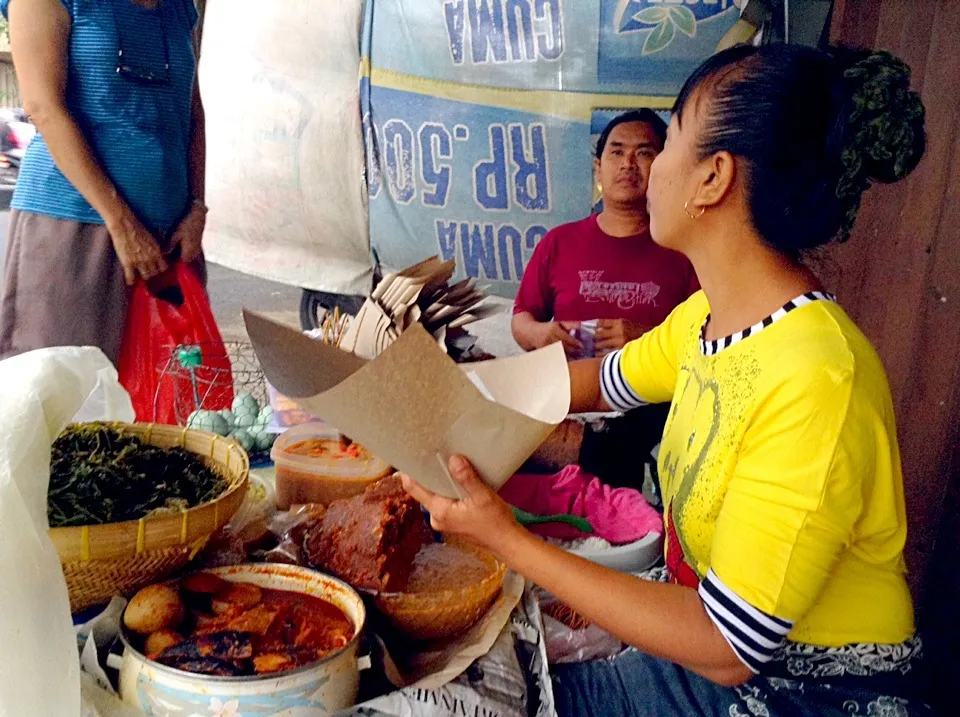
[{"x": 633, "y": 557}]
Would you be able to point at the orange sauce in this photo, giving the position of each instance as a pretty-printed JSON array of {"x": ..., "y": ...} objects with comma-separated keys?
[
  {"x": 328, "y": 448},
  {"x": 305, "y": 622},
  {"x": 245, "y": 630}
]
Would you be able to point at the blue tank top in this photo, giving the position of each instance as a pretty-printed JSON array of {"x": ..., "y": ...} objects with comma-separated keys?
[{"x": 139, "y": 131}]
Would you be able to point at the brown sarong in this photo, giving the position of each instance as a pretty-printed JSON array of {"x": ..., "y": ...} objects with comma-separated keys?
[{"x": 63, "y": 286}]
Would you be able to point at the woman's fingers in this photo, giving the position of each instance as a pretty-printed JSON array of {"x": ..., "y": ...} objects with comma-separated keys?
[
  {"x": 137, "y": 249},
  {"x": 571, "y": 346},
  {"x": 435, "y": 504},
  {"x": 465, "y": 474},
  {"x": 416, "y": 491},
  {"x": 482, "y": 515}
]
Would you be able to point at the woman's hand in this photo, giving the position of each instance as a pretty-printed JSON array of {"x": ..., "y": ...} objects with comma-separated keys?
[
  {"x": 614, "y": 334},
  {"x": 482, "y": 516},
  {"x": 664, "y": 620},
  {"x": 136, "y": 248},
  {"x": 189, "y": 234}
]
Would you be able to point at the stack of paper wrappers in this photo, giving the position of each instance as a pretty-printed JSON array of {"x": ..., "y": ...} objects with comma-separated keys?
[{"x": 421, "y": 294}]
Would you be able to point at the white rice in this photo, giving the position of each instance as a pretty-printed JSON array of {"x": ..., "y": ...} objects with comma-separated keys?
[{"x": 589, "y": 545}]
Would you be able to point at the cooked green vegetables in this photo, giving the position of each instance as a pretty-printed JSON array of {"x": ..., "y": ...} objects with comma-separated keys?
[{"x": 98, "y": 474}]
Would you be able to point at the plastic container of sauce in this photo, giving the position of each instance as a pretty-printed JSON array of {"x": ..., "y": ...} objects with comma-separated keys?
[{"x": 314, "y": 465}]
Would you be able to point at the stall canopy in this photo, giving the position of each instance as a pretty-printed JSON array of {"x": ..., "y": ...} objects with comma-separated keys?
[{"x": 459, "y": 128}]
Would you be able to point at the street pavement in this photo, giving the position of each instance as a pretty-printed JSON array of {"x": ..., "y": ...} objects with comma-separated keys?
[{"x": 231, "y": 291}]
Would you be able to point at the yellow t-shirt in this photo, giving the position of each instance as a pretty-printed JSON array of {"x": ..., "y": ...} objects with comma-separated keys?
[{"x": 780, "y": 474}]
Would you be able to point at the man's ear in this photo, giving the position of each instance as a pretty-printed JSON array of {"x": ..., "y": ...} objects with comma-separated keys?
[{"x": 718, "y": 175}]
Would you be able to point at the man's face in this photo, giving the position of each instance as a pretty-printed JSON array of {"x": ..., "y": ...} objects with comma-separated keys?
[{"x": 624, "y": 166}]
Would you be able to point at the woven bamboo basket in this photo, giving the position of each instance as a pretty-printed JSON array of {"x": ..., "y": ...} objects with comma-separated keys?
[
  {"x": 445, "y": 613},
  {"x": 100, "y": 561}
]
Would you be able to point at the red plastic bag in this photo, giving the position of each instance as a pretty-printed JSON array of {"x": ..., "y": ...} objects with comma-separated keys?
[{"x": 171, "y": 311}]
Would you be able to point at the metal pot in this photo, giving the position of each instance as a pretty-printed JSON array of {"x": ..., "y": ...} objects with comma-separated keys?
[{"x": 315, "y": 690}]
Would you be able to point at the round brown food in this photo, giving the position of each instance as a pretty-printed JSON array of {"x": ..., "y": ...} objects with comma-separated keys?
[
  {"x": 157, "y": 607},
  {"x": 203, "y": 584},
  {"x": 242, "y": 595},
  {"x": 160, "y": 641}
]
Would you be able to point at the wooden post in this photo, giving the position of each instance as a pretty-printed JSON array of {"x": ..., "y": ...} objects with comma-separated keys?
[{"x": 900, "y": 273}]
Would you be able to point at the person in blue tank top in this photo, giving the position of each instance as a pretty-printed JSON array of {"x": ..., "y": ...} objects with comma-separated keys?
[{"x": 112, "y": 187}]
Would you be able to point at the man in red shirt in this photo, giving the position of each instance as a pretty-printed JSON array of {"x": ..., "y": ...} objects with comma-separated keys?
[
  {"x": 605, "y": 268},
  {"x": 605, "y": 272}
]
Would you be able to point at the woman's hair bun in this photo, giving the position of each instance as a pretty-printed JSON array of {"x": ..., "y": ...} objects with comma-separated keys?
[
  {"x": 812, "y": 128},
  {"x": 881, "y": 124},
  {"x": 886, "y": 116}
]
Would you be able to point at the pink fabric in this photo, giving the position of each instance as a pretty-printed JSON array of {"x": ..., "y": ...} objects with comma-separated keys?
[{"x": 618, "y": 515}]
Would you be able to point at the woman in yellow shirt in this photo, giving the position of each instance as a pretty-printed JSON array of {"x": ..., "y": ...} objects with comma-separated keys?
[{"x": 784, "y": 589}]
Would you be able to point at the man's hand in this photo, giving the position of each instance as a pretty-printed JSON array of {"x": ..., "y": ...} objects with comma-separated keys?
[
  {"x": 553, "y": 331},
  {"x": 613, "y": 334},
  {"x": 189, "y": 234},
  {"x": 136, "y": 248}
]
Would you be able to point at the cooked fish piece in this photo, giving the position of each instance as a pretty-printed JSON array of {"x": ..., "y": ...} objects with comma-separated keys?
[
  {"x": 207, "y": 666},
  {"x": 256, "y": 621},
  {"x": 230, "y": 646},
  {"x": 273, "y": 662}
]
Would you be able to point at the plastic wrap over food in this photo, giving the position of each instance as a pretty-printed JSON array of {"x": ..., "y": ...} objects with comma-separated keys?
[
  {"x": 40, "y": 392},
  {"x": 570, "y": 638},
  {"x": 511, "y": 680},
  {"x": 480, "y": 116}
]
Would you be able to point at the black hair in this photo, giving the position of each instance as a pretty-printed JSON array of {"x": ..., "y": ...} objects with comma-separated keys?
[
  {"x": 645, "y": 115},
  {"x": 813, "y": 128}
]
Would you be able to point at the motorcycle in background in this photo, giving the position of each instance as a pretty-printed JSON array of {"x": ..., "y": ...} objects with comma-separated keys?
[{"x": 16, "y": 133}]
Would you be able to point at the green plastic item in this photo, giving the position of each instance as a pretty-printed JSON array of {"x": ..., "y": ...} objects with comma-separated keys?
[
  {"x": 190, "y": 356},
  {"x": 525, "y": 518}
]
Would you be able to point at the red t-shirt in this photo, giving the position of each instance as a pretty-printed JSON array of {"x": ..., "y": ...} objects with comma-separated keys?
[{"x": 579, "y": 273}]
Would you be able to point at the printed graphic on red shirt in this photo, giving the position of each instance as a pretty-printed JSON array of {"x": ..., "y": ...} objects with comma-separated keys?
[
  {"x": 624, "y": 295},
  {"x": 579, "y": 273}
]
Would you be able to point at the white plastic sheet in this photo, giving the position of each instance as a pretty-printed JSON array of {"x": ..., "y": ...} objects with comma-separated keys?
[
  {"x": 285, "y": 162},
  {"x": 40, "y": 392}
]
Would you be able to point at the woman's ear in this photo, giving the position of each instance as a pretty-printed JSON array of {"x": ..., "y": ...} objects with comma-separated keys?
[
  {"x": 596, "y": 170},
  {"x": 718, "y": 175}
]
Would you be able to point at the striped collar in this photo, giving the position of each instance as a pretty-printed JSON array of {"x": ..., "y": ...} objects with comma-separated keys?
[{"x": 711, "y": 348}]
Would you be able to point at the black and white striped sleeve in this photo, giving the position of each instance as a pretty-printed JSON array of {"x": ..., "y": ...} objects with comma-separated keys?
[
  {"x": 753, "y": 634},
  {"x": 613, "y": 385}
]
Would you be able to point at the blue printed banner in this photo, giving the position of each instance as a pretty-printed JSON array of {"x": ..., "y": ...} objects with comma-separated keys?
[
  {"x": 459, "y": 167},
  {"x": 471, "y": 182},
  {"x": 652, "y": 46},
  {"x": 619, "y": 46},
  {"x": 476, "y": 183},
  {"x": 522, "y": 44}
]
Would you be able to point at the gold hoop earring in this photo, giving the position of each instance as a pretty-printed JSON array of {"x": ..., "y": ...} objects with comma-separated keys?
[
  {"x": 686, "y": 208},
  {"x": 599, "y": 189}
]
